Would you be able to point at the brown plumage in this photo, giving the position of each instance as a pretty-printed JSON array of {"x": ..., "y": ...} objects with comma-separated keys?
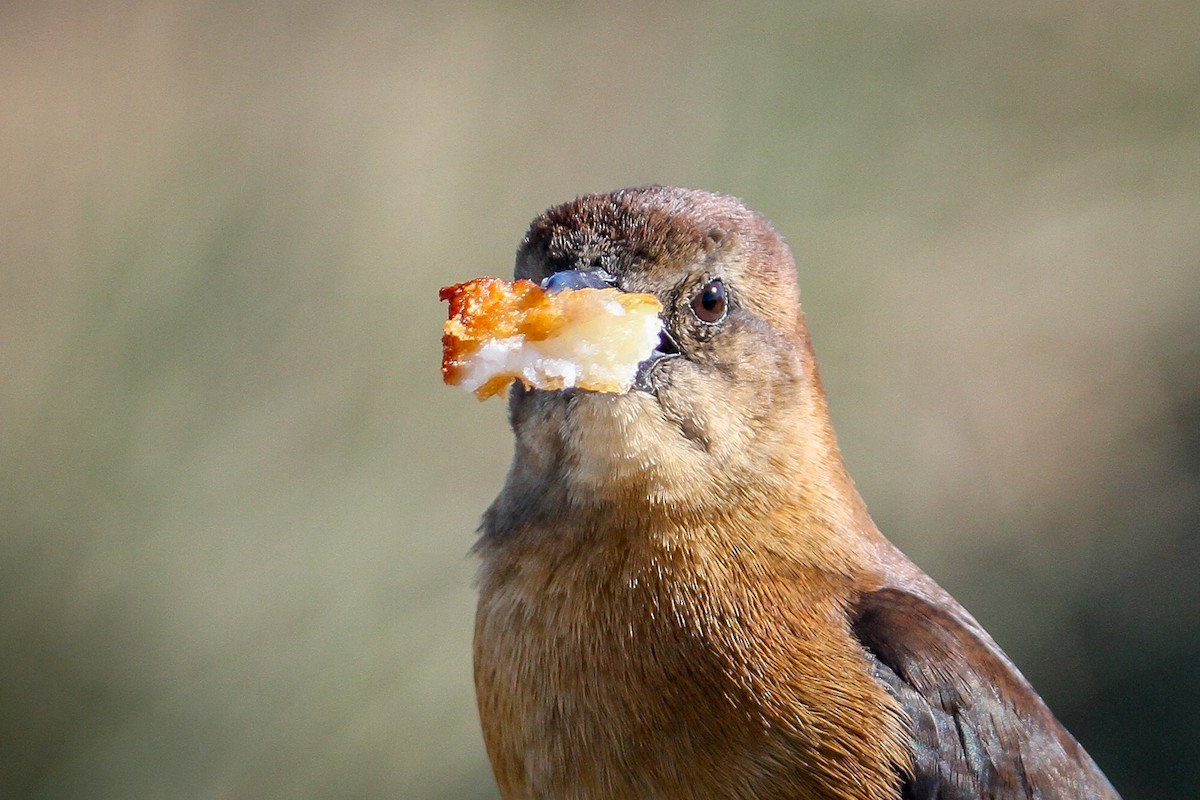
[{"x": 682, "y": 595}]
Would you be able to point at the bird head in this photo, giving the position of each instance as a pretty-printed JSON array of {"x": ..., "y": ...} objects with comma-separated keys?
[{"x": 720, "y": 402}]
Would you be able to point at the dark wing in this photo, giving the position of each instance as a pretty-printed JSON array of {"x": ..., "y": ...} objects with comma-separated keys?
[{"x": 978, "y": 729}]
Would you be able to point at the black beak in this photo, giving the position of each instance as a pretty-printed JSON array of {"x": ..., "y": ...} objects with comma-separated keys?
[
  {"x": 667, "y": 346},
  {"x": 647, "y": 374},
  {"x": 579, "y": 279}
]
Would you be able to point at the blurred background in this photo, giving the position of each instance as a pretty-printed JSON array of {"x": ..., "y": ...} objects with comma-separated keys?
[{"x": 236, "y": 501}]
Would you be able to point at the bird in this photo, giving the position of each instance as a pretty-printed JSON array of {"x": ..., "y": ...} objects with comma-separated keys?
[{"x": 682, "y": 595}]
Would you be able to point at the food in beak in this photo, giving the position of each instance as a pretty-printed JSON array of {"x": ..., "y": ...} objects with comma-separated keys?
[{"x": 586, "y": 338}]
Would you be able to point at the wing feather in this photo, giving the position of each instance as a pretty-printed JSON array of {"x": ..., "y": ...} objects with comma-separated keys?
[{"x": 978, "y": 730}]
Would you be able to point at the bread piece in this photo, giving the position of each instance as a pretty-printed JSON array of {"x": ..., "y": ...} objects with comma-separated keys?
[{"x": 577, "y": 338}]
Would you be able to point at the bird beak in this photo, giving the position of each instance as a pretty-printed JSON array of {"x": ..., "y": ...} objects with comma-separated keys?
[
  {"x": 579, "y": 279},
  {"x": 648, "y": 375}
]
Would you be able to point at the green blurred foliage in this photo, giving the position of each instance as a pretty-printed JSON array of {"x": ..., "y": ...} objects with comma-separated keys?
[{"x": 236, "y": 502}]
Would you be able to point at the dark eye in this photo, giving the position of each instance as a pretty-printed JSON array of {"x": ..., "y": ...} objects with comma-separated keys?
[{"x": 709, "y": 303}]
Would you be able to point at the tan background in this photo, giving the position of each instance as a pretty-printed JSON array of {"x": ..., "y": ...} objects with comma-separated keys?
[{"x": 236, "y": 502}]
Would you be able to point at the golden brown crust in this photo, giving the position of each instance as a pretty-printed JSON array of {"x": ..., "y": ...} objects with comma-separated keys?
[{"x": 488, "y": 308}]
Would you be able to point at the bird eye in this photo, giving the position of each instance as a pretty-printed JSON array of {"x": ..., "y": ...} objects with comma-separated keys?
[{"x": 709, "y": 303}]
